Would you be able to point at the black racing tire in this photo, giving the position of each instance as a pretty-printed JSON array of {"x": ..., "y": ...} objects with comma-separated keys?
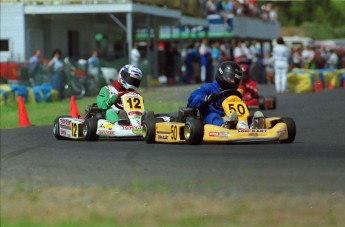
[
  {"x": 149, "y": 115},
  {"x": 262, "y": 104},
  {"x": 291, "y": 128},
  {"x": 56, "y": 128},
  {"x": 149, "y": 129},
  {"x": 90, "y": 128},
  {"x": 193, "y": 131}
]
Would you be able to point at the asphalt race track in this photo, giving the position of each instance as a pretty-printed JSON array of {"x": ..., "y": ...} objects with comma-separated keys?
[{"x": 315, "y": 162}]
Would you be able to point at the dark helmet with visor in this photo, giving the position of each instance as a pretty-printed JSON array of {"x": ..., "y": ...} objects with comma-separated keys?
[{"x": 229, "y": 75}]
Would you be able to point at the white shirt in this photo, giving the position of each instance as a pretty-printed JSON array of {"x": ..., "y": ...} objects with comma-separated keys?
[
  {"x": 135, "y": 55},
  {"x": 333, "y": 60},
  {"x": 281, "y": 53},
  {"x": 238, "y": 52}
]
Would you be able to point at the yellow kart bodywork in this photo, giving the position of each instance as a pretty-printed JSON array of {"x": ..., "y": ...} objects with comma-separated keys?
[
  {"x": 175, "y": 132},
  {"x": 191, "y": 130}
]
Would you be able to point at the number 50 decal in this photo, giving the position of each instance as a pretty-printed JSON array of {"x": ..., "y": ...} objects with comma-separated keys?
[
  {"x": 238, "y": 107},
  {"x": 173, "y": 132}
]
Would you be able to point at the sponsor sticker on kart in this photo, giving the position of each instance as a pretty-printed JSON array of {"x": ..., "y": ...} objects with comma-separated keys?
[
  {"x": 215, "y": 134},
  {"x": 163, "y": 137},
  {"x": 107, "y": 125},
  {"x": 223, "y": 134},
  {"x": 281, "y": 133},
  {"x": 130, "y": 127},
  {"x": 65, "y": 122},
  {"x": 105, "y": 133},
  {"x": 251, "y": 130}
]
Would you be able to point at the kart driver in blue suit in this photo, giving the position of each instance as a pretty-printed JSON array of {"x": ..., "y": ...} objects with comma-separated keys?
[{"x": 228, "y": 76}]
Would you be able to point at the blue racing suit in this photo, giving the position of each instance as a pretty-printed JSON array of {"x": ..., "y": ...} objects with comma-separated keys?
[{"x": 197, "y": 100}]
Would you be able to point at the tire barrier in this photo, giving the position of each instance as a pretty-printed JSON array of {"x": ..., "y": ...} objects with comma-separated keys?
[
  {"x": 37, "y": 94},
  {"x": 306, "y": 80}
]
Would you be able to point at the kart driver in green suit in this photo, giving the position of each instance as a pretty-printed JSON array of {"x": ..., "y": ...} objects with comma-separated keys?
[{"x": 109, "y": 97}]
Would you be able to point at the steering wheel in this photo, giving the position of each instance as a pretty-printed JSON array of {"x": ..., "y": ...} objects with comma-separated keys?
[{"x": 228, "y": 92}]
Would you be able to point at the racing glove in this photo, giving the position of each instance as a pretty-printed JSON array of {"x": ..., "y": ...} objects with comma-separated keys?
[
  {"x": 211, "y": 98},
  {"x": 111, "y": 100}
]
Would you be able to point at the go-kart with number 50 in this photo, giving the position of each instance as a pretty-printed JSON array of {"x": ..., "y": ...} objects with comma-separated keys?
[
  {"x": 188, "y": 128},
  {"x": 93, "y": 125}
]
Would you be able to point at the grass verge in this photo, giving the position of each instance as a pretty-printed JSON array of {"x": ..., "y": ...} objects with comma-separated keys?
[{"x": 51, "y": 206}]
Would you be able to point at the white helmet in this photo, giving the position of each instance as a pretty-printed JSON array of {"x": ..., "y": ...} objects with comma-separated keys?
[{"x": 130, "y": 77}]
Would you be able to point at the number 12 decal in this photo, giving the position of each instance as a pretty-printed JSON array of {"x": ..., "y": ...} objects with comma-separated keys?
[
  {"x": 74, "y": 129},
  {"x": 134, "y": 101}
]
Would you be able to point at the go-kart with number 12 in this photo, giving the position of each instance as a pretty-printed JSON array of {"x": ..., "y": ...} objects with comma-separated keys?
[{"x": 93, "y": 125}]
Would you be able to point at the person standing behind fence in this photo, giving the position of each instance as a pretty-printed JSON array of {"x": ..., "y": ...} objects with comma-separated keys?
[
  {"x": 216, "y": 58},
  {"x": 93, "y": 72},
  {"x": 34, "y": 66},
  {"x": 281, "y": 64},
  {"x": 204, "y": 52},
  {"x": 135, "y": 55},
  {"x": 56, "y": 67}
]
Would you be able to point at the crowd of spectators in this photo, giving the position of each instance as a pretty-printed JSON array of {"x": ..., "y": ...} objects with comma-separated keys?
[
  {"x": 266, "y": 11},
  {"x": 260, "y": 62}
]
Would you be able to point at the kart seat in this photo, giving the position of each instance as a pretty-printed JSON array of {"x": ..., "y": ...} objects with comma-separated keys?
[
  {"x": 93, "y": 110},
  {"x": 185, "y": 112}
]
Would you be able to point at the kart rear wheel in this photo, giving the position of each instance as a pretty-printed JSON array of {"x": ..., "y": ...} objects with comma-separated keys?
[
  {"x": 291, "y": 128},
  {"x": 193, "y": 131},
  {"x": 90, "y": 128},
  {"x": 149, "y": 129},
  {"x": 56, "y": 128}
]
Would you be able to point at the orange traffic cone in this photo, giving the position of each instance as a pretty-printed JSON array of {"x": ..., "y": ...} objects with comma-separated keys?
[
  {"x": 73, "y": 108},
  {"x": 22, "y": 114}
]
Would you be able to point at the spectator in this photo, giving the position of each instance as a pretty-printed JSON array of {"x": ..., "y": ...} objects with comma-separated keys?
[
  {"x": 191, "y": 57},
  {"x": 296, "y": 58},
  {"x": 269, "y": 68},
  {"x": 34, "y": 66},
  {"x": 238, "y": 53},
  {"x": 56, "y": 67},
  {"x": 333, "y": 59},
  {"x": 281, "y": 65},
  {"x": 135, "y": 55},
  {"x": 273, "y": 16},
  {"x": 93, "y": 72},
  {"x": 248, "y": 53},
  {"x": 204, "y": 53},
  {"x": 216, "y": 57},
  {"x": 211, "y": 7}
]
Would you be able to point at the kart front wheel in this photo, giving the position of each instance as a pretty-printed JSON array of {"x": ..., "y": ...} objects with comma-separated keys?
[
  {"x": 90, "y": 128},
  {"x": 149, "y": 129},
  {"x": 193, "y": 131},
  {"x": 291, "y": 128},
  {"x": 56, "y": 128}
]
